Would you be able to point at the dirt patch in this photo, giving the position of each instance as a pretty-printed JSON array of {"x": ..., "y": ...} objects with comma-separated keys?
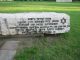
[{"x": 30, "y": 41}]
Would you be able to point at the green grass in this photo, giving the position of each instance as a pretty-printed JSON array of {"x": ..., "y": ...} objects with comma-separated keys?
[
  {"x": 38, "y": 6},
  {"x": 62, "y": 47}
]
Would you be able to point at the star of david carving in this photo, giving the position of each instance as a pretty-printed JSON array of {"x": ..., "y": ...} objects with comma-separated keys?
[{"x": 63, "y": 20}]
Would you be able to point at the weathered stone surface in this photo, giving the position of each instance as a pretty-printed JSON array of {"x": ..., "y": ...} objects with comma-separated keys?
[
  {"x": 8, "y": 50},
  {"x": 37, "y": 22}
]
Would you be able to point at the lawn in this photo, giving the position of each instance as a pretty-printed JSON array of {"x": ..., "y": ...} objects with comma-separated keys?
[
  {"x": 56, "y": 47},
  {"x": 38, "y": 6}
]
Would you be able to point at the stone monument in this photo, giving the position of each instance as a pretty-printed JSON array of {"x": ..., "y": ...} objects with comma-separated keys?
[
  {"x": 63, "y": 0},
  {"x": 39, "y": 22}
]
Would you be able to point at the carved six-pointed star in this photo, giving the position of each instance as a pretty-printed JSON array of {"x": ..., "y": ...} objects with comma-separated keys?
[{"x": 63, "y": 20}]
